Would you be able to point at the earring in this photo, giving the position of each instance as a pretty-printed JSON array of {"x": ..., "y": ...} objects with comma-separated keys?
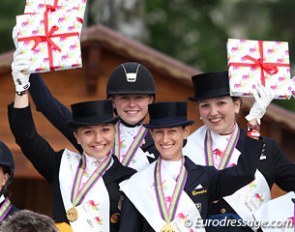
[{"x": 201, "y": 118}]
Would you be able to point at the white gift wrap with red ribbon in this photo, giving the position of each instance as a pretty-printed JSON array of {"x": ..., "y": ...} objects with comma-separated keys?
[
  {"x": 51, "y": 39},
  {"x": 256, "y": 62},
  {"x": 40, "y": 6},
  {"x": 293, "y": 86}
]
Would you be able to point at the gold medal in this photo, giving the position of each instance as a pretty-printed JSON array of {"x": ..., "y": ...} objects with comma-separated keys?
[
  {"x": 167, "y": 228},
  {"x": 115, "y": 218},
  {"x": 72, "y": 214}
]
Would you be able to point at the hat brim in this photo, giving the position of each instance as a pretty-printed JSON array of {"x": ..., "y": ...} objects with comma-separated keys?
[
  {"x": 208, "y": 96},
  {"x": 168, "y": 124},
  {"x": 91, "y": 121}
]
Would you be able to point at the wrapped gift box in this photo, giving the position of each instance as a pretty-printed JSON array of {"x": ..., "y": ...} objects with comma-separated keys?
[
  {"x": 40, "y": 6},
  {"x": 293, "y": 86},
  {"x": 51, "y": 39},
  {"x": 252, "y": 62}
]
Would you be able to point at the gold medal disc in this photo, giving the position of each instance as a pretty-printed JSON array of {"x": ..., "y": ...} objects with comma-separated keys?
[
  {"x": 115, "y": 218},
  {"x": 72, "y": 214},
  {"x": 167, "y": 228}
]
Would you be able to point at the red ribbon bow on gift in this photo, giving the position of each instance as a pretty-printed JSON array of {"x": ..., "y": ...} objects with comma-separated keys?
[
  {"x": 270, "y": 68},
  {"x": 46, "y": 38}
]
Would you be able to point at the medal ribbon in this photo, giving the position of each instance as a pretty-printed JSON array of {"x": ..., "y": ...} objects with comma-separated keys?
[
  {"x": 78, "y": 193},
  {"x": 133, "y": 146},
  {"x": 5, "y": 209},
  {"x": 227, "y": 153},
  {"x": 168, "y": 214}
]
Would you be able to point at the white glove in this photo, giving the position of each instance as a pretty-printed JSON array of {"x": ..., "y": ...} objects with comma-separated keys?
[
  {"x": 20, "y": 66},
  {"x": 14, "y": 35},
  {"x": 263, "y": 97}
]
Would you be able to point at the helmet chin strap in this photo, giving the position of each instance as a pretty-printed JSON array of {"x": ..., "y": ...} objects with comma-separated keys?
[
  {"x": 3, "y": 190},
  {"x": 140, "y": 122}
]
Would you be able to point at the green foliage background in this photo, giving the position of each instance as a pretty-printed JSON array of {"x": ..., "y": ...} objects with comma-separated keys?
[
  {"x": 195, "y": 31},
  {"x": 8, "y": 10}
]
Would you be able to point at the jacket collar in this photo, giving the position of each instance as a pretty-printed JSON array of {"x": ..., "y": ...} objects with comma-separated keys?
[
  {"x": 192, "y": 170},
  {"x": 117, "y": 172}
]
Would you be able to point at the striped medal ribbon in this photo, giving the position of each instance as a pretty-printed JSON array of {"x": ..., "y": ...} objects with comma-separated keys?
[
  {"x": 293, "y": 200},
  {"x": 127, "y": 158},
  {"x": 5, "y": 209},
  {"x": 78, "y": 193},
  {"x": 227, "y": 153},
  {"x": 168, "y": 213}
]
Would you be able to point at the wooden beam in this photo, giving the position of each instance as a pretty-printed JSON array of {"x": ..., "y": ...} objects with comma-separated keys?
[{"x": 92, "y": 63}]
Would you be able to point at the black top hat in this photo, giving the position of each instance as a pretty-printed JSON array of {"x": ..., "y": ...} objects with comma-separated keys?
[
  {"x": 168, "y": 114},
  {"x": 92, "y": 113},
  {"x": 210, "y": 85}
]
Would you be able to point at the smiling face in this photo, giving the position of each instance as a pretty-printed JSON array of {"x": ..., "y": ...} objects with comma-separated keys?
[
  {"x": 96, "y": 141},
  {"x": 219, "y": 113},
  {"x": 132, "y": 108},
  {"x": 169, "y": 141}
]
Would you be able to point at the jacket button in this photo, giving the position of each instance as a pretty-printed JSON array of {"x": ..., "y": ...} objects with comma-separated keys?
[{"x": 223, "y": 211}]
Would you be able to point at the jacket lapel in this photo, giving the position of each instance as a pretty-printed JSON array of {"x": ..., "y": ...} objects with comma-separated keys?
[
  {"x": 193, "y": 174},
  {"x": 117, "y": 172},
  {"x": 241, "y": 140}
]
